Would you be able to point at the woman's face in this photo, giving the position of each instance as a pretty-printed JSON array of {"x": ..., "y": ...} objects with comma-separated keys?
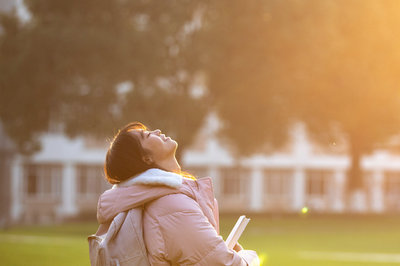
[{"x": 159, "y": 146}]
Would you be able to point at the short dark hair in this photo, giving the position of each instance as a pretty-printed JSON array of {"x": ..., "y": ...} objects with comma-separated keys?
[{"x": 124, "y": 157}]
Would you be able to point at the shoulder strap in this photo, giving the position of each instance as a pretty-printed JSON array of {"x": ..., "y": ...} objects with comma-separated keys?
[
  {"x": 98, "y": 243},
  {"x": 114, "y": 227}
]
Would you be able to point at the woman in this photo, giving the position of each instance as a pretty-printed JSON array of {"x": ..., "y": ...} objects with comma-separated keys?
[{"x": 180, "y": 215}]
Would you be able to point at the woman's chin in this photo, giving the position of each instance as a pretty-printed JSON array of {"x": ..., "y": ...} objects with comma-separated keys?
[{"x": 176, "y": 144}]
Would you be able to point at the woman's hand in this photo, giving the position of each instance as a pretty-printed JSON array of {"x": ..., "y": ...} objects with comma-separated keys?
[{"x": 237, "y": 247}]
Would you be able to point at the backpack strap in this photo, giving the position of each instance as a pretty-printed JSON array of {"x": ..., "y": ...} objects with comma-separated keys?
[
  {"x": 115, "y": 226},
  {"x": 98, "y": 243}
]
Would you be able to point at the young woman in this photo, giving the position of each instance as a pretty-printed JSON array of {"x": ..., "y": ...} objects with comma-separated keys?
[{"x": 179, "y": 215}]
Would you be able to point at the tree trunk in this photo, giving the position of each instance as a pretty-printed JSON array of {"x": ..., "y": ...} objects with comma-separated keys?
[
  {"x": 355, "y": 179},
  {"x": 355, "y": 193}
]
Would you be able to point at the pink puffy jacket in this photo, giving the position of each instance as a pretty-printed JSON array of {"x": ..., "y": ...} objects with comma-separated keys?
[{"x": 180, "y": 219}]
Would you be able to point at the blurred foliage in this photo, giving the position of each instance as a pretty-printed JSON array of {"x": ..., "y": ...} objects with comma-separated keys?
[
  {"x": 246, "y": 79},
  {"x": 63, "y": 69},
  {"x": 331, "y": 64}
]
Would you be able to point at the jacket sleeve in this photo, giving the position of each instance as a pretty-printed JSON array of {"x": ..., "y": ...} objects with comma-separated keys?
[{"x": 190, "y": 239}]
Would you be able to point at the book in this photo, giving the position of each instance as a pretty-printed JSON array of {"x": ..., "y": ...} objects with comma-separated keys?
[{"x": 237, "y": 231}]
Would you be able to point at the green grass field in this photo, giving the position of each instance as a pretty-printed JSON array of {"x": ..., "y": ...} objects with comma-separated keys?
[{"x": 280, "y": 240}]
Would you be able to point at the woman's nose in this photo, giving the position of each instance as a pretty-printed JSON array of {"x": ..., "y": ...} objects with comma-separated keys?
[{"x": 157, "y": 132}]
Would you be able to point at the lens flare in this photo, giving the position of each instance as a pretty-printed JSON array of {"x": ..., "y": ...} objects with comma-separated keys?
[
  {"x": 304, "y": 210},
  {"x": 263, "y": 259}
]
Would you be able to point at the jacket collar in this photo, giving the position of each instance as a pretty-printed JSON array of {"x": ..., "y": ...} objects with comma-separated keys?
[{"x": 153, "y": 176}]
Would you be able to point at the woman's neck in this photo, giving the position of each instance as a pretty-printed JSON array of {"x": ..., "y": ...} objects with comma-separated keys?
[{"x": 170, "y": 164}]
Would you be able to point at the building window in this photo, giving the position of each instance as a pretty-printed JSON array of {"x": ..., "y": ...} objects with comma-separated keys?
[
  {"x": 392, "y": 184},
  {"x": 278, "y": 182},
  {"x": 234, "y": 181},
  {"x": 32, "y": 182},
  {"x": 43, "y": 180},
  {"x": 90, "y": 180},
  {"x": 368, "y": 181},
  {"x": 317, "y": 182}
]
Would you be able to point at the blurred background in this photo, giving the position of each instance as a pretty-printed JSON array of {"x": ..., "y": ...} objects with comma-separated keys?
[{"x": 292, "y": 107}]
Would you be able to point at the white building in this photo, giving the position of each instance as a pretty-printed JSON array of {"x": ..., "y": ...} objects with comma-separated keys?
[{"x": 65, "y": 179}]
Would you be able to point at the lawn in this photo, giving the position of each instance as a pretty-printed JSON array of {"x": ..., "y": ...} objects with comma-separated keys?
[
  {"x": 324, "y": 240},
  {"x": 281, "y": 240}
]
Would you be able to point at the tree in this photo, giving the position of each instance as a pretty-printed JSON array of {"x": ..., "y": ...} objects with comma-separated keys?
[
  {"x": 355, "y": 91},
  {"x": 331, "y": 64},
  {"x": 247, "y": 83},
  {"x": 65, "y": 67}
]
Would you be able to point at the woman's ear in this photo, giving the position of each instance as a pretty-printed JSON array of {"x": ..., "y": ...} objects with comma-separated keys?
[{"x": 148, "y": 159}]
